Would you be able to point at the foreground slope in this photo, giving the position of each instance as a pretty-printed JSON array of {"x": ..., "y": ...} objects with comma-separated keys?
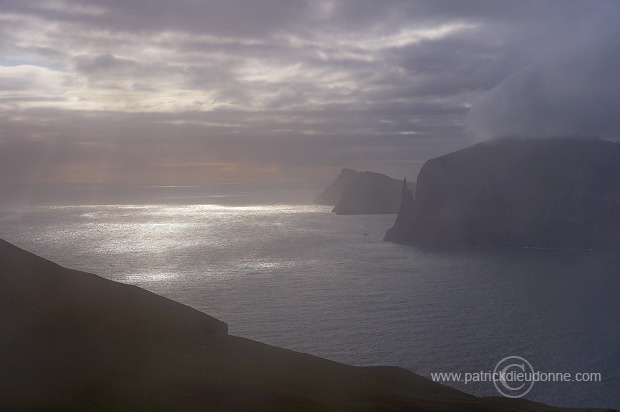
[
  {"x": 561, "y": 193},
  {"x": 73, "y": 341}
]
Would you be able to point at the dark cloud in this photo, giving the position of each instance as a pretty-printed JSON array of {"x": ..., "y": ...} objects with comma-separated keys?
[
  {"x": 164, "y": 87},
  {"x": 217, "y": 17}
]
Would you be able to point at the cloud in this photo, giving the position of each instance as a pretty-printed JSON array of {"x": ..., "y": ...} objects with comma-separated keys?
[
  {"x": 569, "y": 87},
  {"x": 275, "y": 84}
]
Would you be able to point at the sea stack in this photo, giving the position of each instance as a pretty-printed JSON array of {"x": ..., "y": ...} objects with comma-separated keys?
[{"x": 404, "y": 219}]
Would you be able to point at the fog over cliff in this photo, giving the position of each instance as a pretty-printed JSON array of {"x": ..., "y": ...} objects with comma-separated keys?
[
  {"x": 566, "y": 89},
  {"x": 188, "y": 92}
]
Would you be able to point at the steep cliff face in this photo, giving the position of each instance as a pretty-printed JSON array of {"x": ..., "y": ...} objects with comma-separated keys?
[
  {"x": 332, "y": 193},
  {"x": 515, "y": 192},
  {"x": 359, "y": 193}
]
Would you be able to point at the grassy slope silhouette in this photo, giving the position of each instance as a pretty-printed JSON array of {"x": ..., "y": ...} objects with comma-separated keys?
[{"x": 75, "y": 341}]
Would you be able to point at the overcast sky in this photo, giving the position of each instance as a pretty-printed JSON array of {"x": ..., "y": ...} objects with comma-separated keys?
[{"x": 191, "y": 91}]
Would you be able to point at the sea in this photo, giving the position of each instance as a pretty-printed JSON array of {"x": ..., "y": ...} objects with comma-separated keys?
[{"x": 288, "y": 273}]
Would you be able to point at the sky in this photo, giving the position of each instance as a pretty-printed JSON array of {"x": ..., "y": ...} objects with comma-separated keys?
[{"x": 197, "y": 91}]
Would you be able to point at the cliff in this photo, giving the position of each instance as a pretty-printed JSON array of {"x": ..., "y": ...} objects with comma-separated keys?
[
  {"x": 559, "y": 193},
  {"x": 332, "y": 193},
  {"x": 359, "y": 193},
  {"x": 72, "y": 341}
]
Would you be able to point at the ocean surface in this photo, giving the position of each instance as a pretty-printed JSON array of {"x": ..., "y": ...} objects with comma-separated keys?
[{"x": 285, "y": 272}]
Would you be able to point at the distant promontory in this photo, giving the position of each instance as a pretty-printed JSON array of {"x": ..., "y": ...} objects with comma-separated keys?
[
  {"x": 553, "y": 193},
  {"x": 360, "y": 193}
]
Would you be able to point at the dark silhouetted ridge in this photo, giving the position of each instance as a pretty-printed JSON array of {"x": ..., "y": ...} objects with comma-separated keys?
[{"x": 72, "y": 341}]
